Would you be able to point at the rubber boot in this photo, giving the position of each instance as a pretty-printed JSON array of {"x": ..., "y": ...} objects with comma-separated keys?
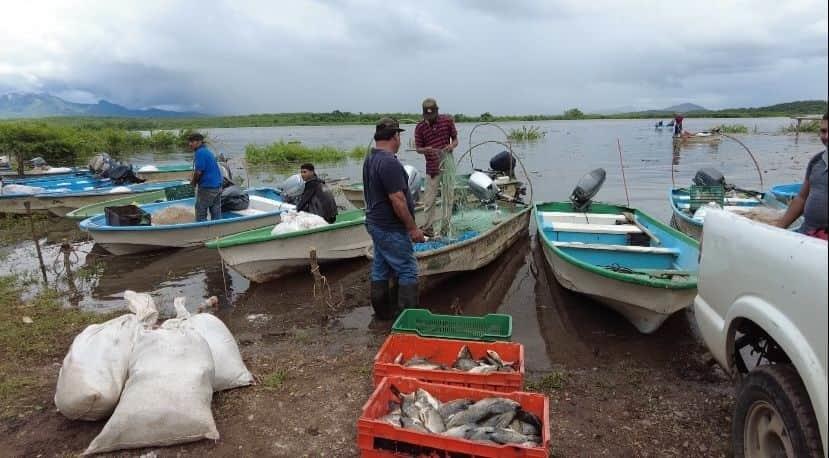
[
  {"x": 394, "y": 302},
  {"x": 380, "y": 299},
  {"x": 408, "y": 297}
]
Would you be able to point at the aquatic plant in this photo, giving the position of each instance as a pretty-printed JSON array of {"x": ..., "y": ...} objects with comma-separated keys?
[
  {"x": 526, "y": 134},
  {"x": 282, "y": 151},
  {"x": 733, "y": 128},
  {"x": 809, "y": 126}
]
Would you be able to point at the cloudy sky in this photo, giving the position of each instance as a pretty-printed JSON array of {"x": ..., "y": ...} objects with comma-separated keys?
[{"x": 510, "y": 56}]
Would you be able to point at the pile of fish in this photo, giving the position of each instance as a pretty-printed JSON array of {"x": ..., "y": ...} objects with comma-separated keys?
[
  {"x": 492, "y": 420},
  {"x": 491, "y": 362}
]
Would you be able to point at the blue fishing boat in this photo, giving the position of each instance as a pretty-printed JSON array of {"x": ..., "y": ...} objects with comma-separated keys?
[
  {"x": 786, "y": 192},
  {"x": 689, "y": 206},
  {"x": 148, "y": 172},
  {"x": 180, "y": 229}
]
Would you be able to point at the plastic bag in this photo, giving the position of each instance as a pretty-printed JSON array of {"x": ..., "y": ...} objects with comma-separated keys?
[
  {"x": 166, "y": 399},
  {"x": 20, "y": 189},
  {"x": 230, "y": 371},
  {"x": 297, "y": 221},
  {"x": 95, "y": 368}
]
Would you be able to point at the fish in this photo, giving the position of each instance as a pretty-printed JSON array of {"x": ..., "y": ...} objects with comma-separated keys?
[
  {"x": 416, "y": 425},
  {"x": 447, "y": 409},
  {"x": 530, "y": 423},
  {"x": 481, "y": 433},
  {"x": 460, "y": 432},
  {"x": 484, "y": 369},
  {"x": 501, "y": 420},
  {"x": 431, "y": 420},
  {"x": 481, "y": 410},
  {"x": 392, "y": 418},
  {"x": 465, "y": 361},
  {"x": 508, "y": 436},
  {"x": 493, "y": 356},
  {"x": 465, "y": 364},
  {"x": 422, "y": 363},
  {"x": 425, "y": 397}
]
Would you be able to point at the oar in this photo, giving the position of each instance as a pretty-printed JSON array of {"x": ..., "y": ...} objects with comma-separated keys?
[{"x": 630, "y": 217}]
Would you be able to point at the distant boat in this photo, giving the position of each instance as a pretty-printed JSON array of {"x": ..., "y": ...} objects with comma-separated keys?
[
  {"x": 149, "y": 172},
  {"x": 264, "y": 209},
  {"x": 786, "y": 192},
  {"x": 699, "y": 137},
  {"x": 622, "y": 257}
]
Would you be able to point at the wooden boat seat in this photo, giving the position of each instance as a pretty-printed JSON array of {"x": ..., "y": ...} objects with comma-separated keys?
[
  {"x": 577, "y": 217},
  {"x": 597, "y": 228},
  {"x": 627, "y": 248}
]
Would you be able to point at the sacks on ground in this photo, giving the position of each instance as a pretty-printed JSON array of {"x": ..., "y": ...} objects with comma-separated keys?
[
  {"x": 230, "y": 371},
  {"x": 297, "y": 221},
  {"x": 95, "y": 368},
  {"x": 20, "y": 189},
  {"x": 166, "y": 399},
  {"x": 176, "y": 214}
]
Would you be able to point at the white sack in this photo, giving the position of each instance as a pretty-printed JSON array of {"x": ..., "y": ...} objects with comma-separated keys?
[
  {"x": 59, "y": 169},
  {"x": 148, "y": 168},
  {"x": 21, "y": 189},
  {"x": 230, "y": 369},
  {"x": 166, "y": 399},
  {"x": 95, "y": 368},
  {"x": 119, "y": 189},
  {"x": 297, "y": 221}
]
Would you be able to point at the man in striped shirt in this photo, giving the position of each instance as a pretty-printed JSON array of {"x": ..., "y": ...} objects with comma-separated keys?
[{"x": 435, "y": 138}]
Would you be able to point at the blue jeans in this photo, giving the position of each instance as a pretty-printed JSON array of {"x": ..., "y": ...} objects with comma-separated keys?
[
  {"x": 208, "y": 199},
  {"x": 393, "y": 252}
]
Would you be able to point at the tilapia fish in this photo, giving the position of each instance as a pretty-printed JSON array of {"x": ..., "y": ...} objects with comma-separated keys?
[
  {"x": 490, "y": 362},
  {"x": 494, "y": 420}
]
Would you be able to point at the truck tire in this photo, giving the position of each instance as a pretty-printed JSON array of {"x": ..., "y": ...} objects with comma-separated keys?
[{"x": 773, "y": 416}]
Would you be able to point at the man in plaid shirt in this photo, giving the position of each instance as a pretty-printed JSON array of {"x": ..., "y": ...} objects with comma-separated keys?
[{"x": 435, "y": 138}]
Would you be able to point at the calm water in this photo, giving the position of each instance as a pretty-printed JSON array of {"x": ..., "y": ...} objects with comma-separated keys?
[{"x": 554, "y": 164}]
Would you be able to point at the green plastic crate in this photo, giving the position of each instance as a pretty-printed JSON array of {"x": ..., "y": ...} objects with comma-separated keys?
[
  {"x": 488, "y": 328},
  {"x": 701, "y": 195},
  {"x": 183, "y": 191}
]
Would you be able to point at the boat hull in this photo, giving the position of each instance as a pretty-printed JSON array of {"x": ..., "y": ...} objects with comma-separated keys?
[
  {"x": 686, "y": 226},
  {"x": 645, "y": 307},
  {"x": 475, "y": 253},
  {"x": 165, "y": 175},
  {"x": 56, "y": 205}
]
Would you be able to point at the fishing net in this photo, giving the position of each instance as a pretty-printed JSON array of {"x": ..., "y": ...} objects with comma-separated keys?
[{"x": 448, "y": 177}]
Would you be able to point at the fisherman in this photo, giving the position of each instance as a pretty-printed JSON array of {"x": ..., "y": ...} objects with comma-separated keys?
[
  {"x": 435, "y": 138},
  {"x": 811, "y": 200},
  {"x": 316, "y": 197},
  {"x": 390, "y": 223},
  {"x": 207, "y": 177},
  {"x": 678, "y": 124}
]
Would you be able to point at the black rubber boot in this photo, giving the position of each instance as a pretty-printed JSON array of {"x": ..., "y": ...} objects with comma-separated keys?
[
  {"x": 408, "y": 297},
  {"x": 380, "y": 299},
  {"x": 394, "y": 302}
]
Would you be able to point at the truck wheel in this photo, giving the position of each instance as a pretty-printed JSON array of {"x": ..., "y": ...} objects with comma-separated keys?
[{"x": 773, "y": 416}]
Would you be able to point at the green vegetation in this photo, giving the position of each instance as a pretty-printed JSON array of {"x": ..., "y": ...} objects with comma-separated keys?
[
  {"x": 549, "y": 383},
  {"x": 526, "y": 134},
  {"x": 282, "y": 151},
  {"x": 808, "y": 126},
  {"x": 275, "y": 379},
  {"x": 733, "y": 128}
]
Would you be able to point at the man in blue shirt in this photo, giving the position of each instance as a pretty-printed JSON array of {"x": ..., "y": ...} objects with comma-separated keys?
[
  {"x": 207, "y": 177},
  {"x": 390, "y": 223}
]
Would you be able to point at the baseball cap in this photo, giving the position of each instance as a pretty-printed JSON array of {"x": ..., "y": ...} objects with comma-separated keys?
[
  {"x": 430, "y": 105},
  {"x": 388, "y": 124}
]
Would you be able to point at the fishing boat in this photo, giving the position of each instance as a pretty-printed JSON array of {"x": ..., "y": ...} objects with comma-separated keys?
[
  {"x": 699, "y": 137},
  {"x": 148, "y": 172},
  {"x": 264, "y": 209},
  {"x": 786, "y": 192},
  {"x": 60, "y": 201},
  {"x": 689, "y": 206},
  {"x": 622, "y": 257},
  {"x": 162, "y": 195}
]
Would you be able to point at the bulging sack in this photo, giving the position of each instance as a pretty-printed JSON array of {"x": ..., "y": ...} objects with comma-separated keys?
[
  {"x": 292, "y": 221},
  {"x": 230, "y": 371},
  {"x": 95, "y": 368},
  {"x": 166, "y": 399}
]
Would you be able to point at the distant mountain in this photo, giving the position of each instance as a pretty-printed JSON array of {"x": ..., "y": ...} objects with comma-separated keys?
[
  {"x": 30, "y": 105},
  {"x": 684, "y": 108},
  {"x": 617, "y": 110}
]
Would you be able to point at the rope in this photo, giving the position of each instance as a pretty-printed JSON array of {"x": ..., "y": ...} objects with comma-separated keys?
[
  {"x": 622, "y": 166},
  {"x": 483, "y": 124},
  {"x": 751, "y": 155}
]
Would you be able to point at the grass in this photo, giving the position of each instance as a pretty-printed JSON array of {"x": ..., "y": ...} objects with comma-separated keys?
[
  {"x": 809, "y": 126},
  {"x": 733, "y": 128},
  {"x": 282, "y": 152},
  {"x": 274, "y": 380},
  {"x": 551, "y": 382},
  {"x": 525, "y": 133}
]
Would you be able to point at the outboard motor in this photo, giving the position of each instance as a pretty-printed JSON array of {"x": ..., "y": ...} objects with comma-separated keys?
[
  {"x": 415, "y": 181},
  {"x": 37, "y": 162},
  {"x": 709, "y": 177},
  {"x": 100, "y": 164},
  {"x": 292, "y": 188},
  {"x": 227, "y": 176},
  {"x": 587, "y": 187},
  {"x": 503, "y": 162},
  {"x": 121, "y": 174},
  {"x": 483, "y": 186},
  {"x": 234, "y": 199}
]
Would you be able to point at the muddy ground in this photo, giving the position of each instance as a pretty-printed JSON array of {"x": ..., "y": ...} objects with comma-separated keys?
[{"x": 613, "y": 392}]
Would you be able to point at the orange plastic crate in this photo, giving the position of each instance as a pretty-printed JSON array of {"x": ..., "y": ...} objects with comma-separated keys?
[
  {"x": 376, "y": 438},
  {"x": 445, "y": 351}
]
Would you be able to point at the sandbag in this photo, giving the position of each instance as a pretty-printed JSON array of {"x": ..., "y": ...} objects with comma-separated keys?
[
  {"x": 230, "y": 371},
  {"x": 297, "y": 221},
  {"x": 95, "y": 368},
  {"x": 166, "y": 399}
]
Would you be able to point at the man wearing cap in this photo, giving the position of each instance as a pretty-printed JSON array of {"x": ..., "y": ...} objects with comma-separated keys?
[
  {"x": 207, "y": 177},
  {"x": 435, "y": 138},
  {"x": 390, "y": 223}
]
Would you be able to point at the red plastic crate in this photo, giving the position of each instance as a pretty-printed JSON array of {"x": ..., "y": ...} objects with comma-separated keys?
[
  {"x": 376, "y": 438},
  {"x": 445, "y": 351}
]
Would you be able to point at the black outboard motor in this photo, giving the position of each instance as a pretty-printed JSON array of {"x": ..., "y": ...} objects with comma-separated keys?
[
  {"x": 709, "y": 177},
  {"x": 503, "y": 162},
  {"x": 587, "y": 187},
  {"x": 122, "y": 174}
]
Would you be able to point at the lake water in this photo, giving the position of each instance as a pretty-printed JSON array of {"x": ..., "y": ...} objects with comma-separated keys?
[{"x": 554, "y": 163}]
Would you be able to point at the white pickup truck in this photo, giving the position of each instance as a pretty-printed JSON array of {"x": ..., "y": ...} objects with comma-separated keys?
[{"x": 761, "y": 308}]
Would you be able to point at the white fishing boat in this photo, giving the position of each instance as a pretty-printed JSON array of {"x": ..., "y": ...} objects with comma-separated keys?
[{"x": 264, "y": 209}]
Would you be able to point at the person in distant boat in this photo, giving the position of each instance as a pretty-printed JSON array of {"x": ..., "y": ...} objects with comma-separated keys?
[
  {"x": 390, "y": 223},
  {"x": 678, "y": 124},
  {"x": 316, "y": 198},
  {"x": 207, "y": 177},
  {"x": 435, "y": 138},
  {"x": 811, "y": 201}
]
